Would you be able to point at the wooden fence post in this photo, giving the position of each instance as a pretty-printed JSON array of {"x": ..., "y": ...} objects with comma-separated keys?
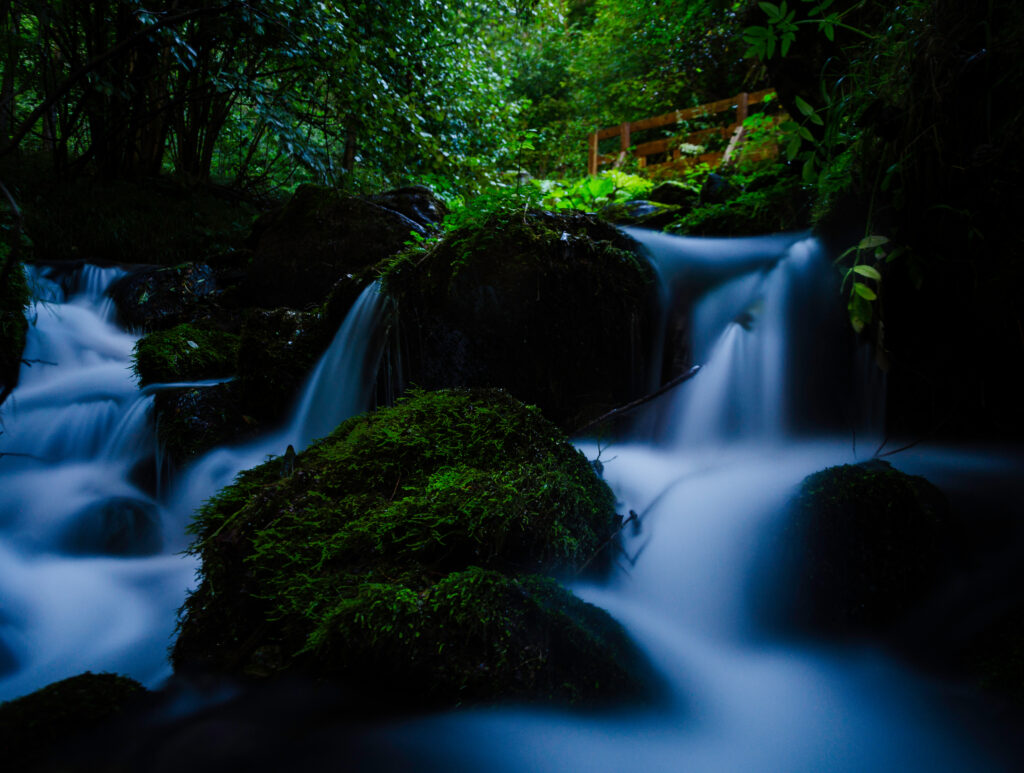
[
  {"x": 592, "y": 156},
  {"x": 623, "y": 144}
]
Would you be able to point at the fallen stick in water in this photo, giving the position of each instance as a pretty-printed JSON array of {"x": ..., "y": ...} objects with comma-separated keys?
[{"x": 622, "y": 409}]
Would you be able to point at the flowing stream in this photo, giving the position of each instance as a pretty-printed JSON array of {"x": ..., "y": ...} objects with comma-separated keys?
[{"x": 89, "y": 577}]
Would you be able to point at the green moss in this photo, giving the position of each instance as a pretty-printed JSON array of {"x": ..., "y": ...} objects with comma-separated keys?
[
  {"x": 31, "y": 726},
  {"x": 14, "y": 297},
  {"x": 184, "y": 353},
  {"x": 318, "y": 564},
  {"x": 473, "y": 635},
  {"x": 769, "y": 202},
  {"x": 498, "y": 302}
]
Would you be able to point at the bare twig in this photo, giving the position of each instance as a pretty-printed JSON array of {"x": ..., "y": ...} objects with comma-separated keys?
[{"x": 623, "y": 409}]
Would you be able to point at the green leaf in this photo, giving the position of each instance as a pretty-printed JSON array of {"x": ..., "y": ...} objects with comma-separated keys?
[
  {"x": 793, "y": 147},
  {"x": 868, "y": 271},
  {"x": 870, "y": 242},
  {"x": 804, "y": 132},
  {"x": 864, "y": 291},
  {"x": 809, "y": 173},
  {"x": 803, "y": 106}
]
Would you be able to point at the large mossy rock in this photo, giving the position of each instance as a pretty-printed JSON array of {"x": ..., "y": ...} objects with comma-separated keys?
[
  {"x": 186, "y": 352},
  {"x": 318, "y": 237},
  {"x": 556, "y": 308},
  {"x": 398, "y": 556},
  {"x": 871, "y": 545},
  {"x": 33, "y": 725}
]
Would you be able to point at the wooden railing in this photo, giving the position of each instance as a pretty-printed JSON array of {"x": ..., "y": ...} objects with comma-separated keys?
[{"x": 741, "y": 103}]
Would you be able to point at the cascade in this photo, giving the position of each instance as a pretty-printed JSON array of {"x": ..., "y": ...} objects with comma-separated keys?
[
  {"x": 90, "y": 574},
  {"x": 709, "y": 468}
]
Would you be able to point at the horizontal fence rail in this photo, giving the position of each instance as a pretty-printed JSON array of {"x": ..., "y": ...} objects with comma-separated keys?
[{"x": 740, "y": 103}]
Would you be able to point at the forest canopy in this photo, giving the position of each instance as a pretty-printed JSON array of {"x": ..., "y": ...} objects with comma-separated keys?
[{"x": 361, "y": 94}]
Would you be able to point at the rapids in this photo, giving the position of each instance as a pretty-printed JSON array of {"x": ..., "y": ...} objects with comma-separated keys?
[{"x": 90, "y": 576}]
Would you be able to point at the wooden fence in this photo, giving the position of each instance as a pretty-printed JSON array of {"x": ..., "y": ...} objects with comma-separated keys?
[{"x": 669, "y": 146}]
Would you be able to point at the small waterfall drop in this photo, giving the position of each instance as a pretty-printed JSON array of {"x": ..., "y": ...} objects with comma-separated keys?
[
  {"x": 90, "y": 575},
  {"x": 338, "y": 387}
]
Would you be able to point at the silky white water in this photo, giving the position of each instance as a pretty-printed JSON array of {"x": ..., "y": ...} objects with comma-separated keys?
[
  {"x": 91, "y": 574},
  {"x": 708, "y": 467}
]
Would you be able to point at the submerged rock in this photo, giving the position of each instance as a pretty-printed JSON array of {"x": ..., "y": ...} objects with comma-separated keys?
[
  {"x": 500, "y": 303},
  {"x": 398, "y": 555},
  {"x": 120, "y": 526},
  {"x": 318, "y": 237}
]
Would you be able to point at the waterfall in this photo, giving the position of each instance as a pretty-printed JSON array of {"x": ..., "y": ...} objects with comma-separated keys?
[
  {"x": 90, "y": 574},
  {"x": 89, "y": 577},
  {"x": 338, "y": 387}
]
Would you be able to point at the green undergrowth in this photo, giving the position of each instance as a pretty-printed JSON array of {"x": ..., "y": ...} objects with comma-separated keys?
[
  {"x": 398, "y": 554},
  {"x": 769, "y": 201},
  {"x": 184, "y": 353}
]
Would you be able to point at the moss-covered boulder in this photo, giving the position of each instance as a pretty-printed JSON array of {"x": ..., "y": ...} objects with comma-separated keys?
[
  {"x": 184, "y": 353},
  {"x": 675, "y": 193},
  {"x": 398, "y": 556},
  {"x": 871, "y": 545},
  {"x": 31, "y": 726},
  {"x": 14, "y": 297},
  {"x": 277, "y": 351},
  {"x": 318, "y": 237},
  {"x": 502, "y": 302}
]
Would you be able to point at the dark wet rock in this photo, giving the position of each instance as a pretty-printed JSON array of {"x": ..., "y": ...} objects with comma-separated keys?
[
  {"x": 33, "y": 725},
  {"x": 646, "y": 214},
  {"x": 277, "y": 351},
  {"x": 501, "y": 303},
  {"x": 160, "y": 298},
  {"x": 676, "y": 194},
  {"x": 321, "y": 235},
  {"x": 14, "y": 296},
  {"x": 416, "y": 202},
  {"x": 118, "y": 526},
  {"x": 872, "y": 544},
  {"x": 717, "y": 190},
  {"x": 399, "y": 557},
  {"x": 195, "y": 420}
]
